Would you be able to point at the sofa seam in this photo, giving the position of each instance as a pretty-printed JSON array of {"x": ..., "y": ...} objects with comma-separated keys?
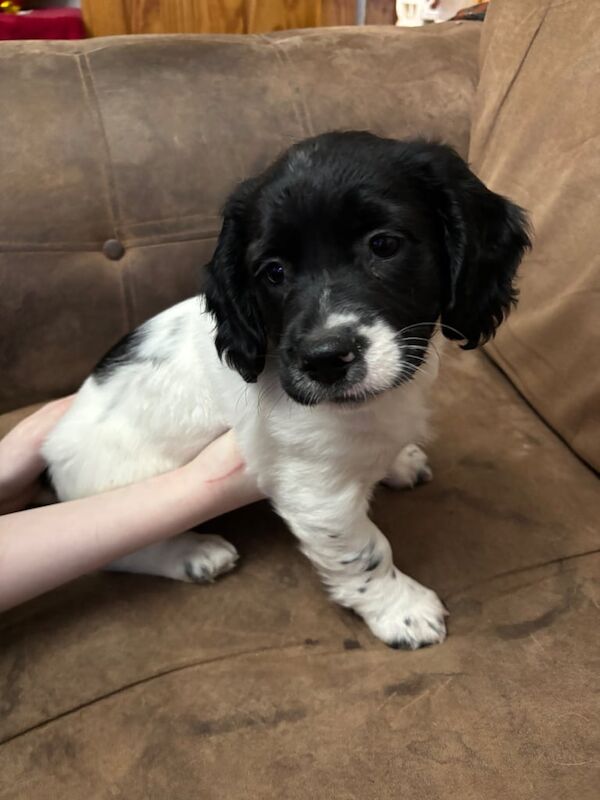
[
  {"x": 300, "y": 109},
  {"x": 257, "y": 651},
  {"x": 111, "y": 186},
  {"x": 91, "y": 94},
  {"x": 496, "y": 358},
  {"x": 519, "y": 571},
  {"x": 94, "y": 247},
  {"x": 514, "y": 77},
  {"x": 149, "y": 678}
]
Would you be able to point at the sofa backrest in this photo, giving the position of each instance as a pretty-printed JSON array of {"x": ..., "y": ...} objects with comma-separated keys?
[{"x": 116, "y": 156}]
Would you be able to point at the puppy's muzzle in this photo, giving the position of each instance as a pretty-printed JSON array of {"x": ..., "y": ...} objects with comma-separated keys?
[{"x": 328, "y": 356}]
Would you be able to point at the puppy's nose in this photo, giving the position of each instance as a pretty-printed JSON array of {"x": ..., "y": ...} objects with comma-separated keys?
[{"x": 326, "y": 359}]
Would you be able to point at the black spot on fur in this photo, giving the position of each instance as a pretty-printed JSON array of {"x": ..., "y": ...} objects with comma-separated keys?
[
  {"x": 373, "y": 563},
  {"x": 351, "y": 644},
  {"x": 197, "y": 576},
  {"x": 400, "y": 644},
  {"x": 127, "y": 351},
  {"x": 123, "y": 352},
  {"x": 435, "y": 628}
]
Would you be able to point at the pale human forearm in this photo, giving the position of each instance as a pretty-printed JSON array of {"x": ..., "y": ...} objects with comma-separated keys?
[{"x": 44, "y": 547}]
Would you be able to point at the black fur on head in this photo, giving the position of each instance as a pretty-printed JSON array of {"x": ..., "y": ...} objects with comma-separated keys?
[
  {"x": 486, "y": 237},
  {"x": 230, "y": 293},
  {"x": 350, "y": 233}
]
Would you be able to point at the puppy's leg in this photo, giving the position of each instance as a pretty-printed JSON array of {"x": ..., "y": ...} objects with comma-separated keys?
[
  {"x": 409, "y": 469},
  {"x": 192, "y": 557},
  {"x": 355, "y": 561}
]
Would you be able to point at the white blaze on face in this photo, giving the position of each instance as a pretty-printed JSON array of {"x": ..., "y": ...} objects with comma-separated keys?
[
  {"x": 382, "y": 354},
  {"x": 337, "y": 320},
  {"x": 382, "y": 357}
]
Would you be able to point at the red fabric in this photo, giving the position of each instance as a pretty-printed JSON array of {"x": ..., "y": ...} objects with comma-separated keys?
[{"x": 53, "y": 23}]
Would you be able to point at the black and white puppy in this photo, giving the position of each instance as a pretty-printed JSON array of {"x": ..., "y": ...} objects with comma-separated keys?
[{"x": 332, "y": 271}]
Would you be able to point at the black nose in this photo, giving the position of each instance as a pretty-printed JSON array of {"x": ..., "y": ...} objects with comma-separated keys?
[{"x": 328, "y": 358}]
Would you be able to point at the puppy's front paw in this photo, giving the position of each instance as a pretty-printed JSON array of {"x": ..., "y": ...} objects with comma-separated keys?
[
  {"x": 191, "y": 557},
  {"x": 412, "y": 616},
  {"x": 409, "y": 469},
  {"x": 205, "y": 559}
]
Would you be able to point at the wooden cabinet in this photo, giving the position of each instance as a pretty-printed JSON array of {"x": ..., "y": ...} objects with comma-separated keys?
[{"x": 109, "y": 17}]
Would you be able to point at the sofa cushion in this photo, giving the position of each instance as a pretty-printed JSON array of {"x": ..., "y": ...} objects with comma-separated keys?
[
  {"x": 535, "y": 138},
  {"x": 257, "y": 686}
]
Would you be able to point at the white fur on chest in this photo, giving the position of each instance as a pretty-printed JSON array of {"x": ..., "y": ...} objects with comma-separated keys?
[{"x": 157, "y": 414}]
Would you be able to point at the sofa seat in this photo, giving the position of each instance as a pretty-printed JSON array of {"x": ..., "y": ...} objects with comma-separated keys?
[{"x": 122, "y": 686}]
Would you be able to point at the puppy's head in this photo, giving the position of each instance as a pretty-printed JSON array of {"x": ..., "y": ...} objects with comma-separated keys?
[{"x": 342, "y": 256}]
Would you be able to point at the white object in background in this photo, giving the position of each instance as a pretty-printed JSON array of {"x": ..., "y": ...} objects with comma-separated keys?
[
  {"x": 408, "y": 14},
  {"x": 442, "y": 10},
  {"x": 423, "y": 11},
  {"x": 361, "y": 12}
]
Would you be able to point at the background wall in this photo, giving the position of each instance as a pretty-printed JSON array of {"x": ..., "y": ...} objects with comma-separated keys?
[{"x": 108, "y": 17}]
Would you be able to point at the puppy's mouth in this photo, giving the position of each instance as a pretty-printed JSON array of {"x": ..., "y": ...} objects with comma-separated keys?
[
  {"x": 355, "y": 387},
  {"x": 375, "y": 370},
  {"x": 309, "y": 392}
]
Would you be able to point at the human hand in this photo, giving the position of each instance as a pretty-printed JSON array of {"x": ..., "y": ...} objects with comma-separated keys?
[
  {"x": 220, "y": 460},
  {"x": 21, "y": 461},
  {"x": 41, "y": 548}
]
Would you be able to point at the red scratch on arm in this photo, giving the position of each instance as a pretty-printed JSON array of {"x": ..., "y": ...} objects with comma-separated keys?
[{"x": 231, "y": 472}]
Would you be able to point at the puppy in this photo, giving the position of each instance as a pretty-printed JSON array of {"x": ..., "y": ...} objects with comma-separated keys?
[{"x": 332, "y": 271}]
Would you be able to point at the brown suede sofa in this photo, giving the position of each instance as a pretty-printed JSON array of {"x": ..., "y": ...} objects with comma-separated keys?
[{"x": 115, "y": 157}]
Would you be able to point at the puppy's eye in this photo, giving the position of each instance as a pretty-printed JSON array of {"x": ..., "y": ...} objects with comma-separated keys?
[
  {"x": 383, "y": 245},
  {"x": 274, "y": 272}
]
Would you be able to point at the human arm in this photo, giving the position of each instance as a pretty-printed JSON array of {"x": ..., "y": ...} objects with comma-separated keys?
[
  {"x": 21, "y": 461},
  {"x": 44, "y": 547}
]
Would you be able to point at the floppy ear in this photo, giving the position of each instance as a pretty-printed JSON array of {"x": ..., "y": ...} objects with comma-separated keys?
[
  {"x": 230, "y": 297},
  {"x": 486, "y": 236}
]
